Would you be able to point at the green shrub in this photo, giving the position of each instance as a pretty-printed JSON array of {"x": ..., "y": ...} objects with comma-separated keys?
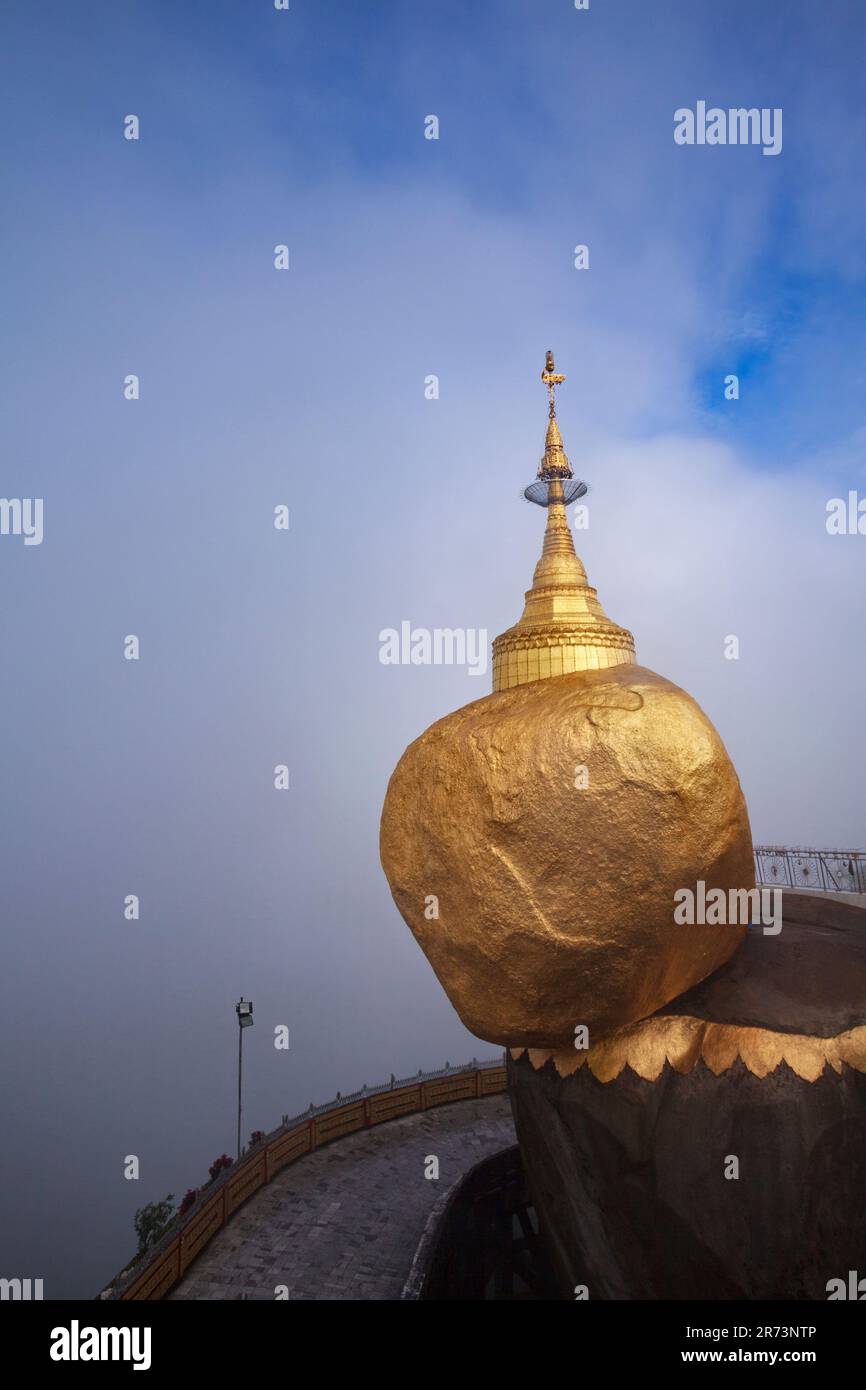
[{"x": 152, "y": 1221}]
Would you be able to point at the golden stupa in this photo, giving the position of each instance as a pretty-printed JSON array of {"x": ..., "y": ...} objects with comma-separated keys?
[
  {"x": 552, "y": 822},
  {"x": 564, "y": 627}
]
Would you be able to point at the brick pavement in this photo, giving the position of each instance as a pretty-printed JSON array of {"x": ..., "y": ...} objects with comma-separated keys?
[{"x": 345, "y": 1221}]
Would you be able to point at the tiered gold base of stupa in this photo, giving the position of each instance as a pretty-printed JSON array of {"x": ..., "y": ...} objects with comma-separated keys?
[
  {"x": 564, "y": 627},
  {"x": 520, "y": 655}
]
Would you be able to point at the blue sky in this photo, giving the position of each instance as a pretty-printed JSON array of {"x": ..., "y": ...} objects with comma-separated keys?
[{"x": 408, "y": 257}]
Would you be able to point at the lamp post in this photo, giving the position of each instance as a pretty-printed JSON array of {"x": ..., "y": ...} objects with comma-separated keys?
[{"x": 244, "y": 1011}]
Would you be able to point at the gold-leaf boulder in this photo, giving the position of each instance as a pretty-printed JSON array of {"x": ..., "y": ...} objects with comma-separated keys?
[{"x": 534, "y": 841}]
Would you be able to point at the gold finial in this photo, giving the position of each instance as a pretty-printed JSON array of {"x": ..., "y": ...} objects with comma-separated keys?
[
  {"x": 555, "y": 462},
  {"x": 551, "y": 378}
]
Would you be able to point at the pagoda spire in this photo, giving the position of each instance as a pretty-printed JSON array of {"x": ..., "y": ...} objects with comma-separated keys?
[{"x": 563, "y": 627}]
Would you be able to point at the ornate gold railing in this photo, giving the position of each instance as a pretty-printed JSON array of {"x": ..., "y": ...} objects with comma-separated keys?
[{"x": 825, "y": 870}]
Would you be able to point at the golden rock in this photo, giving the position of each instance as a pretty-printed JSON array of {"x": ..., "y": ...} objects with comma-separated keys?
[
  {"x": 555, "y": 899},
  {"x": 534, "y": 840}
]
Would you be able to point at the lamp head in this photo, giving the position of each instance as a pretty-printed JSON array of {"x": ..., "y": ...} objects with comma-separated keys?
[{"x": 244, "y": 1011}]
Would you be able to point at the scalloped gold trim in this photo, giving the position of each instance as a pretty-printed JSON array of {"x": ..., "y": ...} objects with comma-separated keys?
[{"x": 682, "y": 1041}]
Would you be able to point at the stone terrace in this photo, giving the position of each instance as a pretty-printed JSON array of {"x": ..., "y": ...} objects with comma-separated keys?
[{"x": 345, "y": 1221}]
